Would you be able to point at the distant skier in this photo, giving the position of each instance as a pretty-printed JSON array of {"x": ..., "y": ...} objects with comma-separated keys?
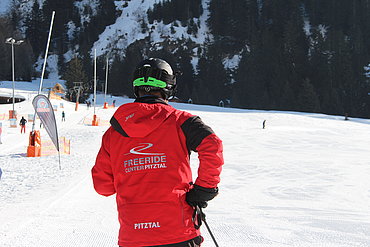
[
  {"x": 63, "y": 116},
  {"x": 145, "y": 160},
  {"x": 264, "y": 124},
  {"x": 22, "y": 123},
  {"x": 114, "y": 103}
]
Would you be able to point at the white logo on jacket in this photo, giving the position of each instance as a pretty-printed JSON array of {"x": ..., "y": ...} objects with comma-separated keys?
[
  {"x": 146, "y": 225},
  {"x": 147, "y": 161},
  {"x": 129, "y": 116},
  {"x": 142, "y": 147}
]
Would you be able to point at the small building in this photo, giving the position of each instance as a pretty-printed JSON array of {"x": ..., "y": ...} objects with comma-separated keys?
[{"x": 57, "y": 92}]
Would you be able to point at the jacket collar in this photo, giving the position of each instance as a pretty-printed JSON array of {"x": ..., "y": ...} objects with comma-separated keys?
[{"x": 150, "y": 99}]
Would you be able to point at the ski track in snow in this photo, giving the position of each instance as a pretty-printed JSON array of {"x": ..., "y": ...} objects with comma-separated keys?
[{"x": 303, "y": 181}]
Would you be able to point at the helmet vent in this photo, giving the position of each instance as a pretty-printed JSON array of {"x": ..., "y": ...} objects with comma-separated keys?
[{"x": 147, "y": 69}]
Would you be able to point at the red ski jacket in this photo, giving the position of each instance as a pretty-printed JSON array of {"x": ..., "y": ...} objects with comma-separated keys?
[{"x": 144, "y": 159}]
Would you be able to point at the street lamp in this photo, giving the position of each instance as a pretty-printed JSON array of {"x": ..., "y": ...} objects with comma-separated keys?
[{"x": 13, "y": 42}]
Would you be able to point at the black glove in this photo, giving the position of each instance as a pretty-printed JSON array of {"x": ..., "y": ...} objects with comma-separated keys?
[{"x": 198, "y": 196}]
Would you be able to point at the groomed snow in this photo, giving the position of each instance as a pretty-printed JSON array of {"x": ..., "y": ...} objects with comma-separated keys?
[{"x": 303, "y": 181}]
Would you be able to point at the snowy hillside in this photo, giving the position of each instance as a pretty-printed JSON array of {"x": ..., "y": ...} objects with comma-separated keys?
[
  {"x": 302, "y": 181},
  {"x": 127, "y": 28}
]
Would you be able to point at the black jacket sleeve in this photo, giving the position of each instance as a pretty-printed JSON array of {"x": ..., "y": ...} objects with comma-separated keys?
[{"x": 195, "y": 131}]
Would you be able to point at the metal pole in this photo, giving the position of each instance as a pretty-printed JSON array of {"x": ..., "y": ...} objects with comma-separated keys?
[
  {"x": 106, "y": 82},
  {"x": 60, "y": 166},
  {"x": 13, "y": 77},
  {"x": 78, "y": 95},
  {"x": 203, "y": 216},
  {"x": 44, "y": 65},
  {"x": 13, "y": 42},
  {"x": 94, "y": 79},
  {"x": 46, "y": 52}
]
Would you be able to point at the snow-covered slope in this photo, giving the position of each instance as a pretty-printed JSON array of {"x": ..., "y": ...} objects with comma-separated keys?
[
  {"x": 302, "y": 181},
  {"x": 127, "y": 28}
]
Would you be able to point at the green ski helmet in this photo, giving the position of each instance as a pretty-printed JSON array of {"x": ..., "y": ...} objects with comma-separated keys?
[{"x": 154, "y": 74}]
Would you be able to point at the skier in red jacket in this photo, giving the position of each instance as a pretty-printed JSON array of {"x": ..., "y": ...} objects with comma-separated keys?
[{"x": 145, "y": 160}]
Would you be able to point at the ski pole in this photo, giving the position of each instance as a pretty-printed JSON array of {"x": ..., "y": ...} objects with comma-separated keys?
[{"x": 203, "y": 217}]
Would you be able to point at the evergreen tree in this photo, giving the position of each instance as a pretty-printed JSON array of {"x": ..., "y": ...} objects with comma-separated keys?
[
  {"x": 63, "y": 14},
  {"x": 233, "y": 22},
  {"x": 23, "y": 60},
  {"x": 292, "y": 68},
  {"x": 36, "y": 31},
  {"x": 307, "y": 98},
  {"x": 170, "y": 11},
  {"x": 5, "y": 59},
  {"x": 319, "y": 70},
  {"x": 185, "y": 80},
  {"x": 75, "y": 73},
  {"x": 256, "y": 75},
  {"x": 23, "y": 57},
  {"x": 90, "y": 31},
  {"x": 121, "y": 72},
  {"x": 15, "y": 15},
  {"x": 213, "y": 78},
  {"x": 343, "y": 74}
]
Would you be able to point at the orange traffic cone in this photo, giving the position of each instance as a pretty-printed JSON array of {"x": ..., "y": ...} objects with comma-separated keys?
[
  {"x": 12, "y": 114},
  {"x": 95, "y": 121}
]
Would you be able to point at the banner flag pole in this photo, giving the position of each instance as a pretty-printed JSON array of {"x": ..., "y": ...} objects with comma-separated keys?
[{"x": 44, "y": 65}]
